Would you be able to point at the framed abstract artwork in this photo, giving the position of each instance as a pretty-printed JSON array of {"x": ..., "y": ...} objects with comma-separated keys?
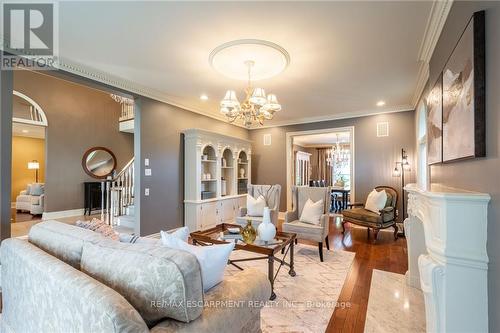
[
  {"x": 434, "y": 103},
  {"x": 464, "y": 95}
]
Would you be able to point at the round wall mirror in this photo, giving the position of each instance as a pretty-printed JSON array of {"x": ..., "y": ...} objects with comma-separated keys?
[{"x": 99, "y": 162}]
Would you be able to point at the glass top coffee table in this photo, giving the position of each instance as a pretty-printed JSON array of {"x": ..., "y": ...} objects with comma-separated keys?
[{"x": 283, "y": 243}]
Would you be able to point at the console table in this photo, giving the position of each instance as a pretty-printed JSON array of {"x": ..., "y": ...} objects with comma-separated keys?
[
  {"x": 93, "y": 197},
  {"x": 446, "y": 232}
]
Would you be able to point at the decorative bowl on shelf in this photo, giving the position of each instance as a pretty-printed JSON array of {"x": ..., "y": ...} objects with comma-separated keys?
[{"x": 233, "y": 230}]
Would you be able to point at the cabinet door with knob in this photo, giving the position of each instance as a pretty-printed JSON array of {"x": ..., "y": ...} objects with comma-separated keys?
[
  {"x": 228, "y": 210},
  {"x": 210, "y": 213}
]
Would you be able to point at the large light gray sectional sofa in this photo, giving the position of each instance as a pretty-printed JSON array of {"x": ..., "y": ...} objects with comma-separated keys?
[{"x": 68, "y": 279}]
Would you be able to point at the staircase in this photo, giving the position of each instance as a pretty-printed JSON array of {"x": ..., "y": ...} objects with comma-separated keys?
[{"x": 118, "y": 209}]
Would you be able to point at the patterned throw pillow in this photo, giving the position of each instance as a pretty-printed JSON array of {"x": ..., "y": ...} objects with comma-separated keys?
[{"x": 100, "y": 227}]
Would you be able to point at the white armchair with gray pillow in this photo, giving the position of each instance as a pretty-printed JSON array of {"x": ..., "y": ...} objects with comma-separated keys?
[
  {"x": 32, "y": 199},
  {"x": 310, "y": 223},
  {"x": 271, "y": 195}
]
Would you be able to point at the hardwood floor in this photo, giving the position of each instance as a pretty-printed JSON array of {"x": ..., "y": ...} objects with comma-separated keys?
[{"x": 385, "y": 254}]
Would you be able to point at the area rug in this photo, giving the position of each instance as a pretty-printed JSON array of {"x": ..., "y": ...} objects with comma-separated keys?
[{"x": 304, "y": 303}]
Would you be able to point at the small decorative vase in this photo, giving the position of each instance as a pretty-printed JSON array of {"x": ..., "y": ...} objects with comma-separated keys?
[
  {"x": 266, "y": 229},
  {"x": 248, "y": 233},
  {"x": 242, "y": 173}
]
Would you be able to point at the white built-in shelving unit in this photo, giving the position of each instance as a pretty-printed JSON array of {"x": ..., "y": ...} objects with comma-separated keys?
[{"x": 217, "y": 172}]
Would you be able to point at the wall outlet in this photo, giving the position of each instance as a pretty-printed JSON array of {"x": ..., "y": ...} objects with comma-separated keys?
[
  {"x": 146, "y": 162},
  {"x": 147, "y": 172},
  {"x": 146, "y": 191}
]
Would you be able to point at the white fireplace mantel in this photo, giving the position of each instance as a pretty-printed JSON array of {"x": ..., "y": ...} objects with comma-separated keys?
[{"x": 446, "y": 232}]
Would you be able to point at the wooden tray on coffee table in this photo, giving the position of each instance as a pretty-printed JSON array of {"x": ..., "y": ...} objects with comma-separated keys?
[{"x": 283, "y": 243}]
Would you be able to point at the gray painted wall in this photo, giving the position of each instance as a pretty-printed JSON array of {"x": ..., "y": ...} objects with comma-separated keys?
[
  {"x": 478, "y": 174},
  {"x": 160, "y": 130},
  {"x": 374, "y": 157},
  {"x": 6, "y": 82},
  {"x": 79, "y": 118}
]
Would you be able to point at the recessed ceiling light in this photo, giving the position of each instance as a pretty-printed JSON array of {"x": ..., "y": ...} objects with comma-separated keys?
[
  {"x": 380, "y": 103},
  {"x": 204, "y": 97},
  {"x": 25, "y": 131}
]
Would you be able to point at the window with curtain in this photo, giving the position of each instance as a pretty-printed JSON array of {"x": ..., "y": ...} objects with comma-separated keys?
[
  {"x": 422, "y": 170},
  {"x": 342, "y": 171},
  {"x": 302, "y": 168}
]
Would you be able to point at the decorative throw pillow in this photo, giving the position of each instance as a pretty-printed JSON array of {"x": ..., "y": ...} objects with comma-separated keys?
[
  {"x": 312, "y": 211},
  {"x": 134, "y": 239},
  {"x": 255, "y": 207},
  {"x": 28, "y": 189},
  {"x": 100, "y": 227},
  {"x": 212, "y": 259},
  {"x": 376, "y": 201},
  {"x": 36, "y": 189}
]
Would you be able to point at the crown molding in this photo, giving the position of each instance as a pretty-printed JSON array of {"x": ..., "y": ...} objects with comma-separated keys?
[
  {"x": 130, "y": 86},
  {"x": 347, "y": 115},
  {"x": 435, "y": 23}
]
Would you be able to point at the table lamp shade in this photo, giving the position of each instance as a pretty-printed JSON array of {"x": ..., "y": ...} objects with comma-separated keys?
[{"x": 33, "y": 165}]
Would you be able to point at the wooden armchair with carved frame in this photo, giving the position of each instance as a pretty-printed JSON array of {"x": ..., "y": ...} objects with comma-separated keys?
[{"x": 386, "y": 218}]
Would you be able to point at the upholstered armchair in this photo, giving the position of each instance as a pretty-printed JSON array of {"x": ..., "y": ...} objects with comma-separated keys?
[
  {"x": 386, "y": 218},
  {"x": 32, "y": 199},
  {"x": 272, "y": 195},
  {"x": 307, "y": 231}
]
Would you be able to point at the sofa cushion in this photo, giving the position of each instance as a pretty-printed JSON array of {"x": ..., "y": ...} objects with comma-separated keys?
[
  {"x": 63, "y": 241},
  {"x": 304, "y": 229},
  {"x": 159, "y": 282},
  {"x": 43, "y": 294},
  {"x": 37, "y": 189},
  {"x": 364, "y": 215},
  {"x": 248, "y": 290},
  {"x": 23, "y": 198},
  {"x": 35, "y": 200}
]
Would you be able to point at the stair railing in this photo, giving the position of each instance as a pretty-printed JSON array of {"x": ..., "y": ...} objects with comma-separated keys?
[{"x": 119, "y": 194}]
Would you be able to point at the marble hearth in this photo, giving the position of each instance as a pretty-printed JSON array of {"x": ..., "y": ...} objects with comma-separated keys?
[{"x": 446, "y": 232}]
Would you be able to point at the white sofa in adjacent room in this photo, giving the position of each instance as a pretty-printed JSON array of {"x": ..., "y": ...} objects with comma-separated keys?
[{"x": 32, "y": 199}]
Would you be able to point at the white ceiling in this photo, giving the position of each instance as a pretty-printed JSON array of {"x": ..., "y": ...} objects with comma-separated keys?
[
  {"x": 29, "y": 131},
  {"x": 321, "y": 139},
  {"x": 345, "y": 56}
]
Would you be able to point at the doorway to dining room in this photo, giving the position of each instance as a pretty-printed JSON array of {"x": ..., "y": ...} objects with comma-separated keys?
[{"x": 323, "y": 158}]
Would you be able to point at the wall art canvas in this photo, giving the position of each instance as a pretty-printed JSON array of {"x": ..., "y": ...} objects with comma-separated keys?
[
  {"x": 435, "y": 123},
  {"x": 464, "y": 95}
]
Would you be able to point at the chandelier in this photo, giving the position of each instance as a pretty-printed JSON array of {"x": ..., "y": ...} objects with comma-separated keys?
[
  {"x": 337, "y": 155},
  {"x": 122, "y": 100},
  {"x": 257, "y": 107}
]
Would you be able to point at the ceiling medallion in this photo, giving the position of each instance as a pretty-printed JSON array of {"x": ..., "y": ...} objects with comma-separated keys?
[{"x": 251, "y": 60}]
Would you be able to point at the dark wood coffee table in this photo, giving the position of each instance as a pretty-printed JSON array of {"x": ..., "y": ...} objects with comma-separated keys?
[{"x": 283, "y": 243}]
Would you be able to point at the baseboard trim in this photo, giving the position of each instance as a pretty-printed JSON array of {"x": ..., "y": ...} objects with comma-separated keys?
[{"x": 62, "y": 214}]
